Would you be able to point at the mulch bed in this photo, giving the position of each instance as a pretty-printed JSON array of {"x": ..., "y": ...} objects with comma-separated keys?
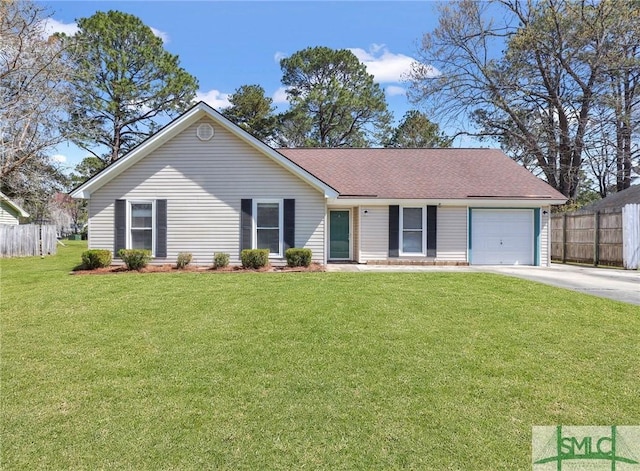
[{"x": 314, "y": 267}]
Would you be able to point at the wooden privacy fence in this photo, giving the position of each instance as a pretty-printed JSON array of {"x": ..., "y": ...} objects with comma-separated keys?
[
  {"x": 597, "y": 237},
  {"x": 27, "y": 240}
]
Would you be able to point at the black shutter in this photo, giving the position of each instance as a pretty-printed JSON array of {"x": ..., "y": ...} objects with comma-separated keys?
[
  {"x": 289, "y": 224},
  {"x": 394, "y": 234},
  {"x": 120, "y": 226},
  {"x": 161, "y": 228},
  {"x": 246, "y": 223},
  {"x": 432, "y": 224}
]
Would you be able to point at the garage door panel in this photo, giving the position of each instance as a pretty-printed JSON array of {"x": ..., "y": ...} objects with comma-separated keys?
[{"x": 502, "y": 237}]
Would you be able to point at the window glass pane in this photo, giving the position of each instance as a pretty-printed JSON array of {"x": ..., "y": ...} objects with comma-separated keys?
[
  {"x": 141, "y": 239},
  {"x": 269, "y": 239},
  {"x": 412, "y": 242},
  {"x": 268, "y": 214},
  {"x": 412, "y": 218},
  {"x": 141, "y": 215}
]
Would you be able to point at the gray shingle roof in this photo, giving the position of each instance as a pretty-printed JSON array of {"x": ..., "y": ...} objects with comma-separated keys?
[
  {"x": 617, "y": 200},
  {"x": 421, "y": 173}
]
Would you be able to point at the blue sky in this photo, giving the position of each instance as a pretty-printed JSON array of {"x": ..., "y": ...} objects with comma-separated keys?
[{"x": 226, "y": 44}]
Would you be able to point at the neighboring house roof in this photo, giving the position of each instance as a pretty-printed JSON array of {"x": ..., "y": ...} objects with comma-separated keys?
[
  {"x": 392, "y": 173},
  {"x": 197, "y": 112},
  {"x": 21, "y": 212},
  {"x": 616, "y": 200}
]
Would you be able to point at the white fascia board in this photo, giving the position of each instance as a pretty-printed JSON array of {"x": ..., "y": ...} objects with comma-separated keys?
[
  {"x": 174, "y": 128},
  {"x": 471, "y": 202}
]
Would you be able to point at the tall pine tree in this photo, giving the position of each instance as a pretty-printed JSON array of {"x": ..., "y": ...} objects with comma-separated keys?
[{"x": 125, "y": 83}]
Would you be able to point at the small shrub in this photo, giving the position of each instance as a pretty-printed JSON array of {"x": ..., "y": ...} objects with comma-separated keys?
[
  {"x": 96, "y": 258},
  {"x": 298, "y": 257},
  {"x": 220, "y": 260},
  {"x": 184, "y": 259},
  {"x": 254, "y": 258},
  {"x": 135, "y": 259}
]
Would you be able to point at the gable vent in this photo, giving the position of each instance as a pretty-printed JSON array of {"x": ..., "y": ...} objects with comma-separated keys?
[{"x": 204, "y": 132}]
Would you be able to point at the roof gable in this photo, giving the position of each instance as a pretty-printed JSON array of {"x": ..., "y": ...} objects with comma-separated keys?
[
  {"x": 21, "y": 212},
  {"x": 178, "y": 125},
  {"x": 393, "y": 173}
]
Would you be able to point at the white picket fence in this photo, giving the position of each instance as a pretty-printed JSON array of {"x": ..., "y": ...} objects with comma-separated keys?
[
  {"x": 27, "y": 240},
  {"x": 631, "y": 236}
]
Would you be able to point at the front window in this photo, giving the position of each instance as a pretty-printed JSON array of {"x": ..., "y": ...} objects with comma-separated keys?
[
  {"x": 141, "y": 224},
  {"x": 269, "y": 226},
  {"x": 412, "y": 223}
]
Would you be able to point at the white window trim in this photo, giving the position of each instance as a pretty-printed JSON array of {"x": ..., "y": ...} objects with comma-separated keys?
[
  {"x": 424, "y": 233},
  {"x": 254, "y": 211},
  {"x": 153, "y": 223}
]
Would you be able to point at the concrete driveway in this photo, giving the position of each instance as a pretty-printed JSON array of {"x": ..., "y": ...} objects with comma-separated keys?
[{"x": 620, "y": 285}]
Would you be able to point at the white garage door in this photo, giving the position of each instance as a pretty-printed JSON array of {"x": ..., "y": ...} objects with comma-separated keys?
[{"x": 502, "y": 237}]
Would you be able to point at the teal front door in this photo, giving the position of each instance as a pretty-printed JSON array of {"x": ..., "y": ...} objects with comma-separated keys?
[{"x": 339, "y": 243}]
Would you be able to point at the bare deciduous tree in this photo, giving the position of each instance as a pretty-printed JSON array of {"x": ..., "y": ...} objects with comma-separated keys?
[
  {"x": 526, "y": 73},
  {"x": 33, "y": 87},
  {"x": 624, "y": 97}
]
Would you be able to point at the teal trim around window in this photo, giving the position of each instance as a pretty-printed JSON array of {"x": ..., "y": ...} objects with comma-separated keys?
[{"x": 536, "y": 243}]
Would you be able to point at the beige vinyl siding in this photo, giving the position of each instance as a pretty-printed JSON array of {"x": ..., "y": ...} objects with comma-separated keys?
[
  {"x": 452, "y": 233},
  {"x": 204, "y": 183},
  {"x": 545, "y": 236},
  {"x": 374, "y": 233},
  {"x": 8, "y": 215}
]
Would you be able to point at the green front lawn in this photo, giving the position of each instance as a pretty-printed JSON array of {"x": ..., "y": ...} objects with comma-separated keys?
[{"x": 300, "y": 370}]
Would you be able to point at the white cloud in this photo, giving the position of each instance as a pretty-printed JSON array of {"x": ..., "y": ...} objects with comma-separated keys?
[
  {"x": 394, "y": 90},
  {"x": 385, "y": 66},
  {"x": 280, "y": 96},
  {"x": 214, "y": 98},
  {"x": 51, "y": 26},
  {"x": 58, "y": 158},
  {"x": 279, "y": 55},
  {"x": 376, "y": 47},
  {"x": 160, "y": 34}
]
